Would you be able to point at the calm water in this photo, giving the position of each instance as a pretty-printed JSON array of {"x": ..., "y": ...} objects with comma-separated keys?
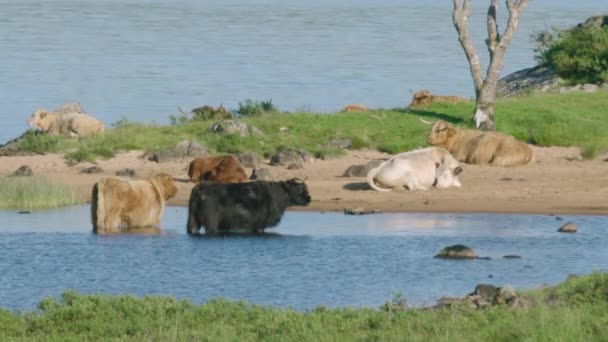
[
  {"x": 315, "y": 259},
  {"x": 140, "y": 59}
]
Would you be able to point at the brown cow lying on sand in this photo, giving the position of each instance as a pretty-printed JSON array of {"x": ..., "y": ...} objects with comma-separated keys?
[
  {"x": 424, "y": 97},
  {"x": 478, "y": 147},
  {"x": 119, "y": 204},
  {"x": 67, "y": 120},
  {"x": 223, "y": 169}
]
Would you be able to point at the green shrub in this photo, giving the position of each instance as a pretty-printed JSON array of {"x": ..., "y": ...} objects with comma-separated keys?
[
  {"x": 35, "y": 193},
  {"x": 579, "y": 55},
  {"x": 254, "y": 108},
  {"x": 34, "y": 141}
]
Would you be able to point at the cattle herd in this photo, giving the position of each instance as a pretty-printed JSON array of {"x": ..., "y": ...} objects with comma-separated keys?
[{"x": 225, "y": 201}]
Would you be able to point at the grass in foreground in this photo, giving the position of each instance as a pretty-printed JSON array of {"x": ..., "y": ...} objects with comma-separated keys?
[
  {"x": 34, "y": 192},
  {"x": 576, "y": 310},
  {"x": 577, "y": 119}
]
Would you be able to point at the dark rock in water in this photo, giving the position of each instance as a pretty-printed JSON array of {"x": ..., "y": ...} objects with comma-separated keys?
[
  {"x": 183, "y": 149},
  {"x": 360, "y": 211},
  {"x": 457, "y": 252},
  {"x": 569, "y": 227},
  {"x": 23, "y": 171},
  {"x": 250, "y": 159},
  {"x": 92, "y": 169},
  {"x": 24, "y": 212},
  {"x": 484, "y": 258},
  {"x": 361, "y": 170},
  {"x": 511, "y": 256},
  {"x": 125, "y": 172},
  {"x": 261, "y": 174},
  {"x": 595, "y": 21}
]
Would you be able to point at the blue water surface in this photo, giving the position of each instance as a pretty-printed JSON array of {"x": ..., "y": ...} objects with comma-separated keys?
[{"x": 311, "y": 259}]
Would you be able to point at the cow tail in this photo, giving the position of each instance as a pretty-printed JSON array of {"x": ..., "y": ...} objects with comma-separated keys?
[{"x": 371, "y": 175}]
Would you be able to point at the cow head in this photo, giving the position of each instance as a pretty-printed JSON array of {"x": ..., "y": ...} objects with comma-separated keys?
[
  {"x": 440, "y": 134},
  {"x": 421, "y": 98},
  {"x": 41, "y": 119},
  {"x": 298, "y": 192},
  {"x": 167, "y": 185},
  {"x": 446, "y": 177}
]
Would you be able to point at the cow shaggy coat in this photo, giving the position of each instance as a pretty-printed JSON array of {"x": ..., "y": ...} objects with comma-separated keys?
[
  {"x": 223, "y": 169},
  {"x": 242, "y": 207},
  {"x": 119, "y": 204},
  {"x": 424, "y": 97},
  {"x": 70, "y": 124},
  {"x": 416, "y": 170},
  {"x": 478, "y": 147}
]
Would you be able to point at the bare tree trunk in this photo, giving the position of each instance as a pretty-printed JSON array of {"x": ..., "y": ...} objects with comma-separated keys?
[{"x": 485, "y": 89}]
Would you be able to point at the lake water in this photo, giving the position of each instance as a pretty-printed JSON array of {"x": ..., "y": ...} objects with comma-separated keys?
[
  {"x": 140, "y": 59},
  {"x": 314, "y": 258}
]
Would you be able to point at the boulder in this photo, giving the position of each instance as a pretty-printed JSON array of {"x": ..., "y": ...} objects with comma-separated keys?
[
  {"x": 286, "y": 156},
  {"x": 23, "y": 171},
  {"x": 261, "y": 174},
  {"x": 361, "y": 170},
  {"x": 92, "y": 169},
  {"x": 295, "y": 166},
  {"x": 360, "y": 211},
  {"x": 183, "y": 149},
  {"x": 249, "y": 159},
  {"x": 569, "y": 227},
  {"x": 457, "y": 252},
  {"x": 126, "y": 172},
  {"x": 230, "y": 127},
  {"x": 542, "y": 78}
]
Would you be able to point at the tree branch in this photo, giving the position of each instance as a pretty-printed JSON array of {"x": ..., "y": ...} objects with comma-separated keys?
[
  {"x": 492, "y": 23},
  {"x": 460, "y": 18}
]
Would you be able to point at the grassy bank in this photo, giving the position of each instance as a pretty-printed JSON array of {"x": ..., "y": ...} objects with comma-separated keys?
[
  {"x": 576, "y": 310},
  {"x": 26, "y": 193},
  {"x": 577, "y": 119}
]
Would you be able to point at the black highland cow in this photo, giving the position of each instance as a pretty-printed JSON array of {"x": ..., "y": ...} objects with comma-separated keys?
[{"x": 242, "y": 207}]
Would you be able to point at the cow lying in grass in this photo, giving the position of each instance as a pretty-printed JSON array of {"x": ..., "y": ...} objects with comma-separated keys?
[
  {"x": 68, "y": 120},
  {"x": 222, "y": 169},
  {"x": 479, "y": 147},
  {"x": 242, "y": 207},
  {"x": 416, "y": 170},
  {"x": 119, "y": 204},
  {"x": 424, "y": 97}
]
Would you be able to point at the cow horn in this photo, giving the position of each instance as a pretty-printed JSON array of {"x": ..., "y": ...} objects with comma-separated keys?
[
  {"x": 182, "y": 111},
  {"x": 426, "y": 122},
  {"x": 411, "y": 91}
]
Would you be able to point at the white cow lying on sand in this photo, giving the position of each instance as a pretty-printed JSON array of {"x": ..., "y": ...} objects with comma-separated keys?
[{"x": 416, "y": 170}]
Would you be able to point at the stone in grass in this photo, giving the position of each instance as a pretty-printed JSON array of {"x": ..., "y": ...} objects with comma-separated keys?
[
  {"x": 569, "y": 227},
  {"x": 457, "y": 252}
]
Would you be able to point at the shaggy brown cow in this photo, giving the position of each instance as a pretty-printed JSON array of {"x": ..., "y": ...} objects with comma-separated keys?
[
  {"x": 119, "y": 204},
  {"x": 424, "y": 97},
  {"x": 357, "y": 107},
  {"x": 222, "y": 169},
  {"x": 478, "y": 147},
  {"x": 71, "y": 124}
]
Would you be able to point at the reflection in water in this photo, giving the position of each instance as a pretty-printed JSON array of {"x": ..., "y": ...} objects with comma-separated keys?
[{"x": 308, "y": 260}]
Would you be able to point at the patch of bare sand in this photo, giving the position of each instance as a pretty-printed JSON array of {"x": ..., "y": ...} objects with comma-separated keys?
[{"x": 558, "y": 181}]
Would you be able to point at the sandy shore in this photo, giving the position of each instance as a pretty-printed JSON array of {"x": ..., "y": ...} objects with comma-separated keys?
[{"x": 558, "y": 182}]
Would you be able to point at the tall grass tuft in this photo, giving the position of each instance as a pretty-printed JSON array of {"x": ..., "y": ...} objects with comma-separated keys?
[{"x": 35, "y": 193}]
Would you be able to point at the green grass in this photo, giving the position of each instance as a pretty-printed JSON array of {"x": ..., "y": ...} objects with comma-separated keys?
[
  {"x": 577, "y": 119},
  {"x": 576, "y": 310},
  {"x": 26, "y": 193}
]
